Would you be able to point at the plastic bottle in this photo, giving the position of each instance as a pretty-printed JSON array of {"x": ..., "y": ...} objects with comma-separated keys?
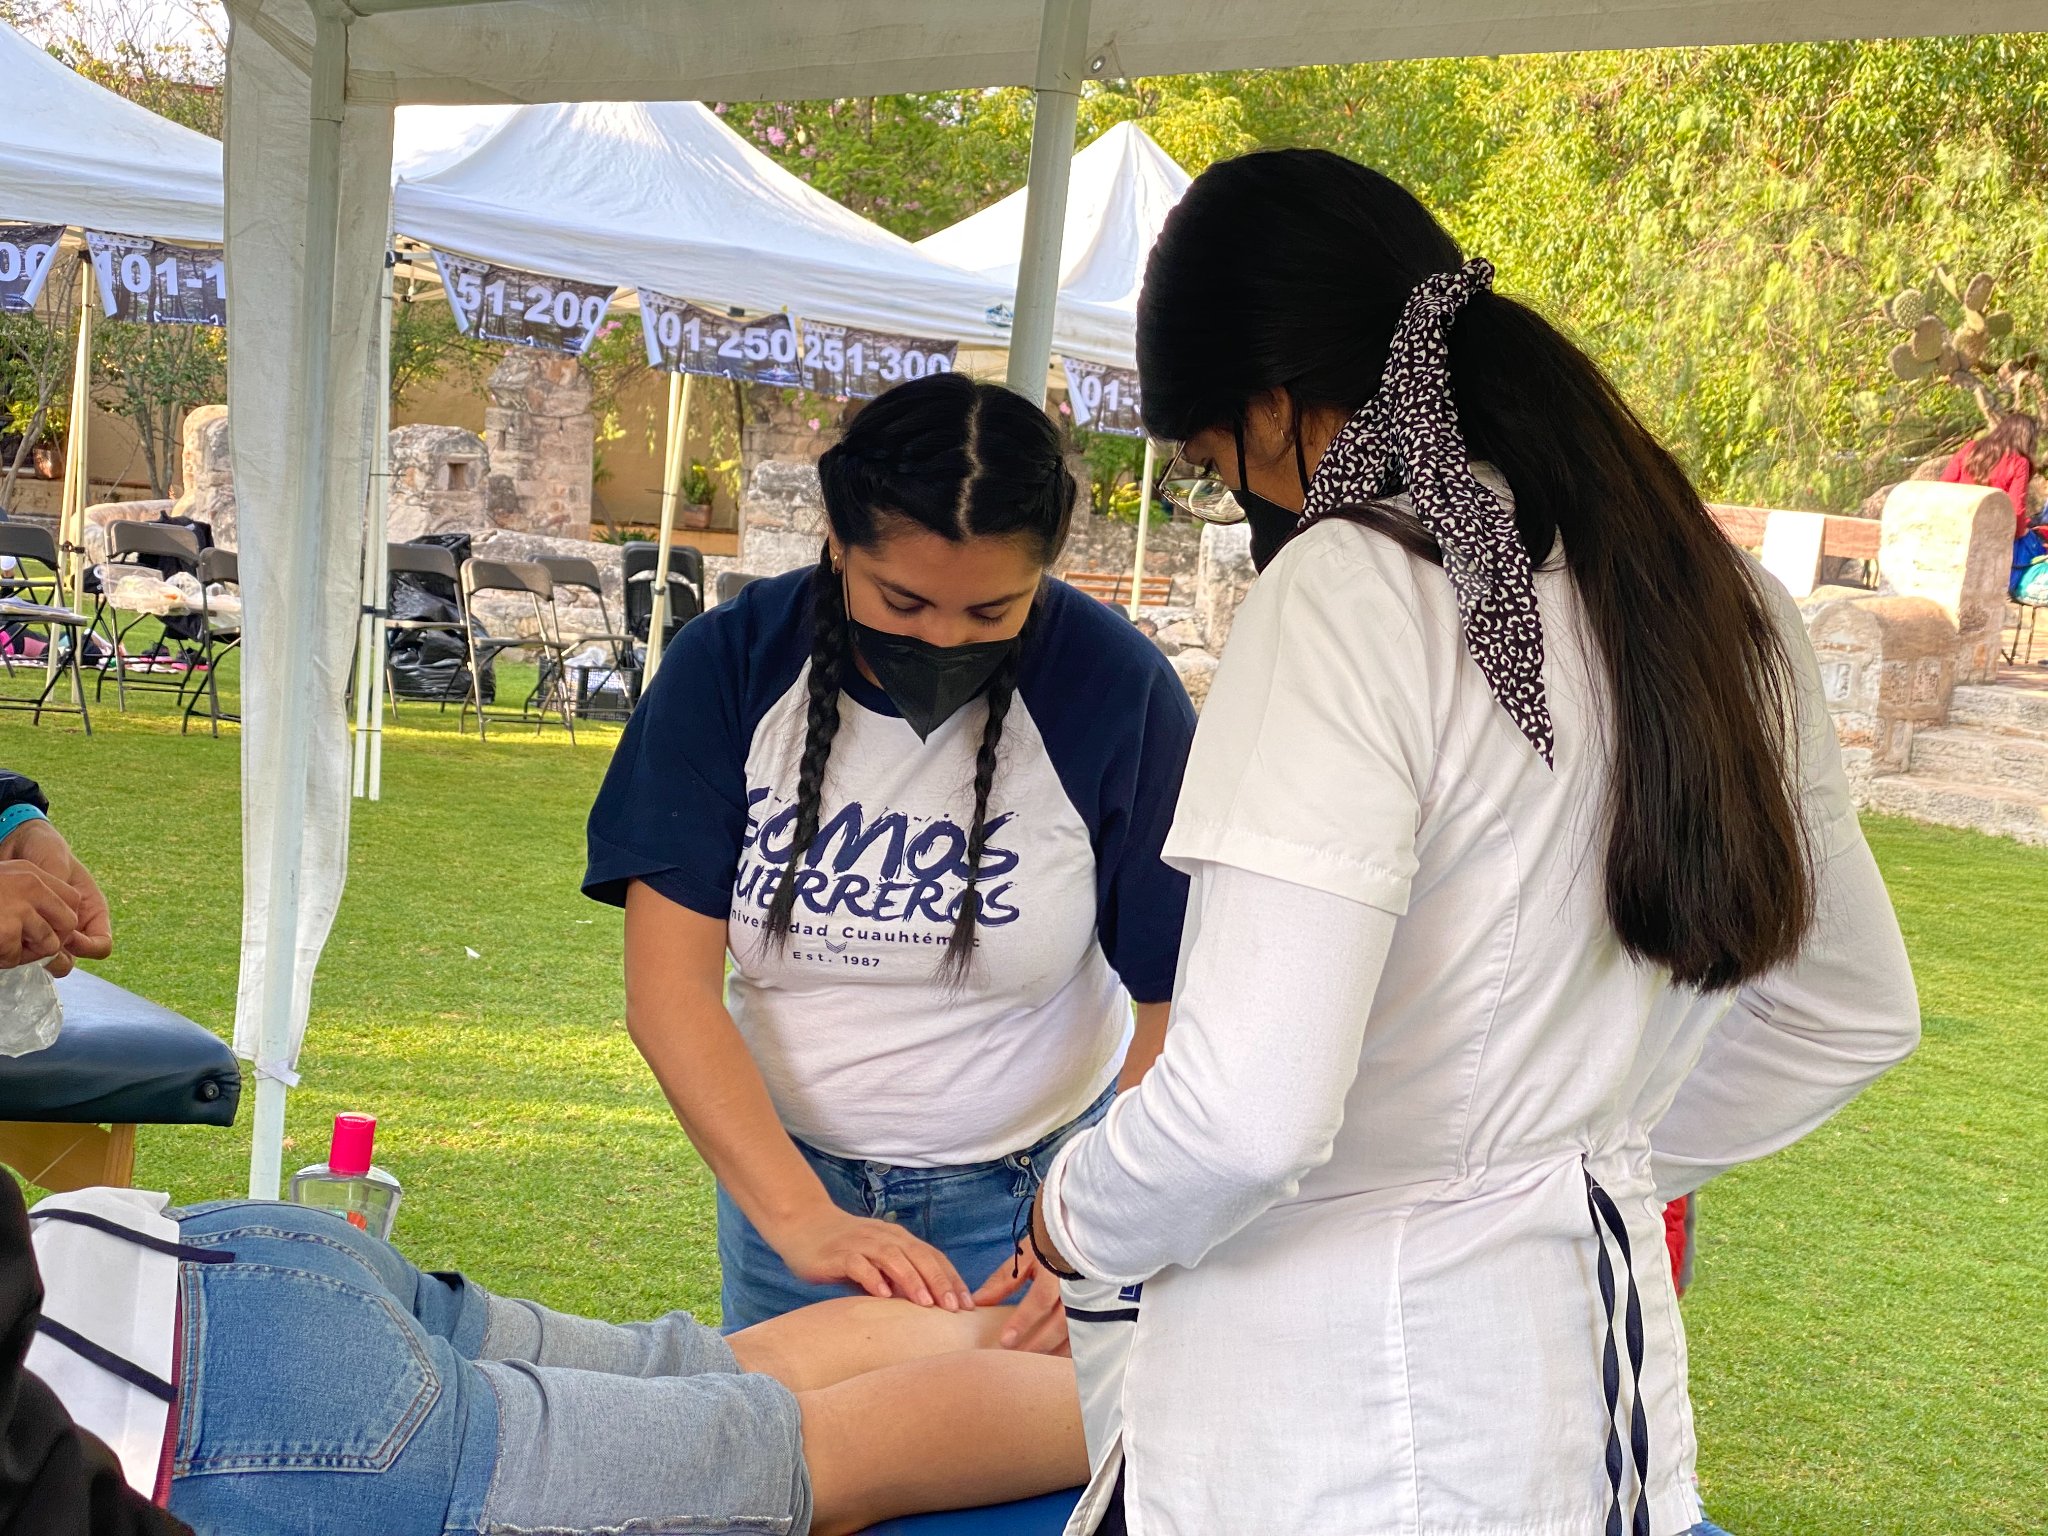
[
  {"x": 31, "y": 1013},
  {"x": 348, "y": 1183}
]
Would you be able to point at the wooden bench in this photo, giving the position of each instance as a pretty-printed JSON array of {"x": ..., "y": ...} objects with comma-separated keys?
[
  {"x": 1114, "y": 587},
  {"x": 1792, "y": 544}
]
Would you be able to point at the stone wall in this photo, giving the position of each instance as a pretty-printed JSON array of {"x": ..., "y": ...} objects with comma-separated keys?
[
  {"x": 782, "y": 517},
  {"x": 1887, "y": 669},
  {"x": 788, "y": 424},
  {"x": 543, "y": 443},
  {"x": 440, "y": 483},
  {"x": 1172, "y": 549},
  {"x": 209, "y": 475}
]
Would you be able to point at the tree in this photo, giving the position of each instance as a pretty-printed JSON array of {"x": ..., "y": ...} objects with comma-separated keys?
[
  {"x": 153, "y": 375},
  {"x": 35, "y": 371}
]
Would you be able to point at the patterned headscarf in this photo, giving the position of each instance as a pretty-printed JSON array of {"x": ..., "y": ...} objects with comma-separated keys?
[{"x": 1406, "y": 437}]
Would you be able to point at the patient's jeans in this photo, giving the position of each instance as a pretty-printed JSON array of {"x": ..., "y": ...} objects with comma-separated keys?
[
  {"x": 968, "y": 1213},
  {"x": 326, "y": 1384}
]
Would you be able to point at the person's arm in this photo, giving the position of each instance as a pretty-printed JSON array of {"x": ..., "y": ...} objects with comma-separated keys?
[
  {"x": 676, "y": 1014},
  {"x": 1148, "y": 1039},
  {"x": 51, "y": 909},
  {"x": 1799, "y": 1043},
  {"x": 1248, "y": 1094}
]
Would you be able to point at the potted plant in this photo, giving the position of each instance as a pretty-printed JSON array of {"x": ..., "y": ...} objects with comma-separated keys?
[{"x": 695, "y": 511}]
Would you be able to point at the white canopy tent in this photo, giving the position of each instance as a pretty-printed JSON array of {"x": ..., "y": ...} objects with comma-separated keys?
[
  {"x": 311, "y": 89},
  {"x": 74, "y": 153},
  {"x": 1120, "y": 190}
]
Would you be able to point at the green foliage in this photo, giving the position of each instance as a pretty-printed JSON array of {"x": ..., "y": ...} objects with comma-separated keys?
[{"x": 427, "y": 346}]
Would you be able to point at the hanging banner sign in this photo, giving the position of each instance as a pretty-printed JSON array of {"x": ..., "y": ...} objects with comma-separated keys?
[
  {"x": 152, "y": 282},
  {"x": 687, "y": 338},
  {"x": 1104, "y": 399},
  {"x": 524, "y": 309},
  {"x": 26, "y": 251},
  {"x": 858, "y": 365}
]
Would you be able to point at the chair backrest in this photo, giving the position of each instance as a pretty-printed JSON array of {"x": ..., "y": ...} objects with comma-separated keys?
[
  {"x": 508, "y": 576},
  {"x": 24, "y": 541},
  {"x": 573, "y": 571},
  {"x": 730, "y": 582},
  {"x": 685, "y": 560},
  {"x": 153, "y": 539},
  {"x": 685, "y": 586},
  {"x": 422, "y": 560},
  {"x": 220, "y": 565}
]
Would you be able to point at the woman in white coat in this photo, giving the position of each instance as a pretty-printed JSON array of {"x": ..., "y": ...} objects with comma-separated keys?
[{"x": 1527, "y": 895}]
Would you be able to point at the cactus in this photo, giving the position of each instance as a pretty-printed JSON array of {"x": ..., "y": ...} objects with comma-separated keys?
[
  {"x": 1908, "y": 307},
  {"x": 1961, "y": 356}
]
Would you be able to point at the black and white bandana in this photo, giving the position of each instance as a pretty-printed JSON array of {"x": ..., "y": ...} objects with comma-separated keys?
[{"x": 1406, "y": 438}]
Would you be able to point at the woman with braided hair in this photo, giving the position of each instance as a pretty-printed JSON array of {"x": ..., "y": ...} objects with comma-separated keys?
[
  {"x": 917, "y": 793},
  {"x": 1528, "y": 894}
]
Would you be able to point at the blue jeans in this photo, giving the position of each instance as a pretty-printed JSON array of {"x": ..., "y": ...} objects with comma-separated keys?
[
  {"x": 969, "y": 1213},
  {"x": 326, "y": 1384}
]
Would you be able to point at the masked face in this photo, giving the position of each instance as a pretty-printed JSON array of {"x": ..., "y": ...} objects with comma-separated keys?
[
  {"x": 934, "y": 618},
  {"x": 929, "y": 683},
  {"x": 1272, "y": 525}
]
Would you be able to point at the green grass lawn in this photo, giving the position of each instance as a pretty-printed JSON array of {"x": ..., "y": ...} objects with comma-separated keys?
[{"x": 1869, "y": 1351}]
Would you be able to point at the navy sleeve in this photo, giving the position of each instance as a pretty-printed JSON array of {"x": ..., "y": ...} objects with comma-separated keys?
[
  {"x": 673, "y": 808},
  {"x": 1117, "y": 724}
]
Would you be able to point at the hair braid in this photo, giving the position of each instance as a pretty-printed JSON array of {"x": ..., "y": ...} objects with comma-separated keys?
[
  {"x": 1002, "y": 689},
  {"x": 829, "y": 645}
]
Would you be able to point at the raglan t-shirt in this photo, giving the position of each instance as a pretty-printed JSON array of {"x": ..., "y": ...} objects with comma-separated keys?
[{"x": 869, "y": 1051}]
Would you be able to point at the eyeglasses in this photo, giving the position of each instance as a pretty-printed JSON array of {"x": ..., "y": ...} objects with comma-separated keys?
[{"x": 1199, "y": 492}]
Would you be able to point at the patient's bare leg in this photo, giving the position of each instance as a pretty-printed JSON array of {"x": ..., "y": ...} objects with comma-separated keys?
[
  {"x": 949, "y": 1432},
  {"x": 819, "y": 1345}
]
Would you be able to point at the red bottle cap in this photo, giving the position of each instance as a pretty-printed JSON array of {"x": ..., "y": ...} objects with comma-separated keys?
[{"x": 349, "y": 1153}]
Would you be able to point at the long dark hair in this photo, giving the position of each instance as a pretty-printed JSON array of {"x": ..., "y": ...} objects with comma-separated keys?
[
  {"x": 963, "y": 460},
  {"x": 1287, "y": 270},
  {"x": 2014, "y": 433}
]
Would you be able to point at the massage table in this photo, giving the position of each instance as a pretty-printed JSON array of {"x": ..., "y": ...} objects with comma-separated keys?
[
  {"x": 1045, "y": 1516},
  {"x": 68, "y": 1114}
]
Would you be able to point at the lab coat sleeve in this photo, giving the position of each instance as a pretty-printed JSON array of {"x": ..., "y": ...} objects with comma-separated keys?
[
  {"x": 1802, "y": 1041},
  {"x": 1268, "y": 1026}
]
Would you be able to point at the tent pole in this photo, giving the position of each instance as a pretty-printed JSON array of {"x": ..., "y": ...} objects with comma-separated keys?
[
  {"x": 1056, "y": 103},
  {"x": 78, "y": 443},
  {"x": 328, "y": 74},
  {"x": 369, "y": 673},
  {"x": 1144, "y": 520},
  {"x": 671, "y": 493}
]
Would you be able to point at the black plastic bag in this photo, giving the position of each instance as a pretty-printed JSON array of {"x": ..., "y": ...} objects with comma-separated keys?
[{"x": 434, "y": 664}]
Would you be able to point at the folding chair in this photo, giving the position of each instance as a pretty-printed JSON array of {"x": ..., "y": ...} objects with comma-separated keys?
[
  {"x": 730, "y": 582},
  {"x": 129, "y": 545},
  {"x": 29, "y": 602},
  {"x": 685, "y": 587},
  {"x": 220, "y": 633},
  {"x": 432, "y": 561},
  {"x": 573, "y": 571},
  {"x": 521, "y": 576}
]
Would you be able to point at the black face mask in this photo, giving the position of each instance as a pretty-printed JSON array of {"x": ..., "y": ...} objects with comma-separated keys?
[
  {"x": 1272, "y": 525},
  {"x": 929, "y": 683}
]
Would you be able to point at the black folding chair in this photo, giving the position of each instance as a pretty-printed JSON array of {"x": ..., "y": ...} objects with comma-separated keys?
[
  {"x": 29, "y": 602},
  {"x": 573, "y": 572},
  {"x": 730, "y": 582},
  {"x": 435, "y": 566},
  {"x": 685, "y": 587},
  {"x": 532, "y": 580},
  {"x": 220, "y": 634},
  {"x": 144, "y": 546}
]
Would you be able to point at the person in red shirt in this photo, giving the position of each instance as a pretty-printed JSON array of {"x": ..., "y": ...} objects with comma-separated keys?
[{"x": 2003, "y": 459}]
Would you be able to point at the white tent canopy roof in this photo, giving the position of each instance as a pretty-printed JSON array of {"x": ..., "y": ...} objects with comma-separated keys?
[
  {"x": 711, "y": 50},
  {"x": 1123, "y": 186},
  {"x": 72, "y": 152},
  {"x": 663, "y": 195}
]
